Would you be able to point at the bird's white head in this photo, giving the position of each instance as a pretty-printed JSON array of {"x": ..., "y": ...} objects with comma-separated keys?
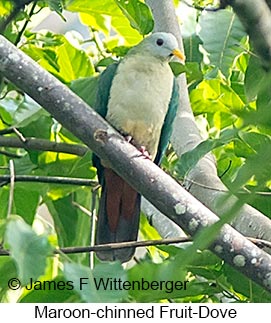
[{"x": 160, "y": 45}]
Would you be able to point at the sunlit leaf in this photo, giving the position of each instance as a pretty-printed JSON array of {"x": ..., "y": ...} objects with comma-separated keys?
[
  {"x": 139, "y": 15},
  {"x": 213, "y": 96},
  {"x": 189, "y": 159},
  {"x": 223, "y": 45}
]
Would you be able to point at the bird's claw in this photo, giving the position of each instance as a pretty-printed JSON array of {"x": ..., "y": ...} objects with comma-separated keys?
[
  {"x": 145, "y": 152},
  {"x": 141, "y": 149}
]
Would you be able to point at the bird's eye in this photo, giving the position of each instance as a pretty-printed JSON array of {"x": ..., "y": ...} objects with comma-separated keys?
[{"x": 159, "y": 42}]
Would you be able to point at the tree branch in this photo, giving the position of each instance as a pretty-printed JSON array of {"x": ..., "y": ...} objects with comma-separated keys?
[
  {"x": 5, "y": 179},
  {"x": 43, "y": 145},
  {"x": 147, "y": 178},
  {"x": 129, "y": 244},
  {"x": 256, "y": 18}
]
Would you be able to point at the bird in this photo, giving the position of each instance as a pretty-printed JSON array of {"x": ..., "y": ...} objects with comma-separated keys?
[{"x": 139, "y": 97}]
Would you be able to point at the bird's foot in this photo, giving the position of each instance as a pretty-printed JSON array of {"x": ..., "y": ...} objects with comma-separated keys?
[
  {"x": 141, "y": 149},
  {"x": 144, "y": 152},
  {"x": 129, "y": 139}
]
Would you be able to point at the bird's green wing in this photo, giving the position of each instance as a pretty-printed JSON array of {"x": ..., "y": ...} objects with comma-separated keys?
[
  {"x": 103, "y": 91},
  {"x": 100, "y": 106},
  {"x": 167, "y": 126}
]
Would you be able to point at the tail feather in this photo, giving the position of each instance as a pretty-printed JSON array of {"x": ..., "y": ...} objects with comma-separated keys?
[{"x": 118, "y": 216}]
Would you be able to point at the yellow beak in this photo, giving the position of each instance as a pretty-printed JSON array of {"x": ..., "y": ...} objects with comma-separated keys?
[{"x": 178, "y": 54}]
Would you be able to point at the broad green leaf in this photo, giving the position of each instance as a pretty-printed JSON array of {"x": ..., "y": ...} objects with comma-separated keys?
[
  {"x": 69, "y": 222},
  {"x": 28, "y": 249},
  {"x": 27, "y": 112},
  {"x": 251, "y": 170},
  {"x": 214, "y": 95},
  {"x": 105, "y": 15},
  {"x": 223, "y": 45},
  {"x": 97, "y": 7},
  {"x": 5, "y": 7},
  {"x": 5, "y": 116},
  {"x": 62, "y": 59},
  {"x": 57, "y": 6},
  {"x": 7, "y": 271},
  {"x": 189, "y": 159},
  {"x": 86, "y": 88},
  {"x": 145, "y": 273},
  {"x": 89, "y": 284},
  {"x": 191, "y": 48},
  {"x": 255, "y": 78},
  {"x": 26, "y": 202},
  {"x": 139, "y": 15},
  {"x": 246, "y": 287},
  {"x": 191, "y": 69},
  {"x": 65, "y": 218}
]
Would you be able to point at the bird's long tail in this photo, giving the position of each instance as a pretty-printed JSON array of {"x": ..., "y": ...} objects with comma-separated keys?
[{"x": 118, "y": 217}]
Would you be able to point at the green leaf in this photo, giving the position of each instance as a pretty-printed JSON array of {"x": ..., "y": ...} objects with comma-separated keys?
[
  {"x": 246, "y": 287},
  {"x": 139, "y": 15},
  {"x": 250, "y": 168},
  {"x": 5, "y": 116},
  {"x": 88, "y": 285},
  {"x": 189, "y": 159},
  {"x": 28, "y": 249},
  {"x": 7, "y": 271},
  {"x": 86, "y": 88},
  {"x": 214, "y": 95},
  {"x": 255, "y": 78},
  {"x": 72, "y": 226},
  {"x": 223, "y": 45},
  {"x": 57, "y": 6},
  {"x": 61, "y": 58},
  {"x": 147, "y": 273},
  {"x": 27, "y": 112},
  {"x": 26, "y": 202},
  {"x": 191, "y": 48},
  {"x": 192, "y": 70},
  {"x": 105, "y": 14}
]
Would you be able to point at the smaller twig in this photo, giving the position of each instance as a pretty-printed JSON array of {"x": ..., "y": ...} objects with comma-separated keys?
[
  {"x": 137, "y": 244},
  {"x": 260, "y": 242},
  {"x": 111, "y": 246},
  {"x": 93, "y": 226},
  {"x": 82, "y": 209},
  {"x": 19, "y": 135},
  {"x": 9, "y": 154},
  {"x": 122, "y": 245},
  {"x": 20, "y": 33},
  {"x": 41, "y": 144},
  {"x": 246, "y": 191},
  {"x": 6, "y": 131},
  {"x": 11, "y": 189},
  {"x": 48, "y": 179}
]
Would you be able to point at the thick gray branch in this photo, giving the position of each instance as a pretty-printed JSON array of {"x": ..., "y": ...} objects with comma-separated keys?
[{"x": 148, "y": 179}]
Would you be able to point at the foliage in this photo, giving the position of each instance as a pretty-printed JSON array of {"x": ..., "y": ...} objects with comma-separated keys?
[{"x": 228, "y": 90}]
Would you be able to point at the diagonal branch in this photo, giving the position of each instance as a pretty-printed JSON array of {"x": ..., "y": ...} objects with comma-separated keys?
[{"x": 148, "y": 179}]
